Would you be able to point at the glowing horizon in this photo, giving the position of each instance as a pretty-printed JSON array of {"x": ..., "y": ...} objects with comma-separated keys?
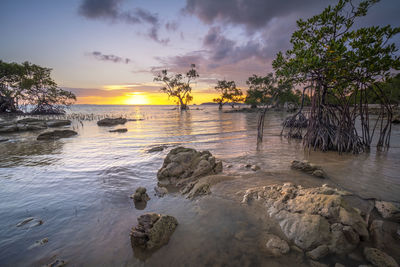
[{"x": 142, "y": 98}]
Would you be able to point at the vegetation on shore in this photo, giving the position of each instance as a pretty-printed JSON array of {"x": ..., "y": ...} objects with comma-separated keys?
[
  {"x": 31, "y": 84},
  {"x": 340, "y": 66}
]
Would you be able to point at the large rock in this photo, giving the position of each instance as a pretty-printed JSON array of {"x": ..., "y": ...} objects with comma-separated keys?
[
  {"x": 57, "y": 134},
  {"x": 388, "y": 210},
  {"x": 111, "y": 121},
  {"x": 183, "y": 167},
  {"x": 153, "y": 230},
  {"x": 312, "y": 217},
  {"x": 307, "y": 167},
  {"x": 379, "y": 258}
]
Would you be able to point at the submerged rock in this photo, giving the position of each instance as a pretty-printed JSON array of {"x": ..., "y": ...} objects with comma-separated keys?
[
  {"x": 58, "y": 123},
  {"x": 156, "y": 149},
  {"x": 39, "y": 243},
  {"x": 312, "y": 217},
  {"x": 57, "y": 263},
  {"x": 379, "y": 258},
  {"x": 307, "y": 167},
  {"x": 111, "y": 121},
  {"x": 183, "y": 168},
  {"x": 388, "y": 210},
  {"x": 140, "y": 195},
  {"x": 57, "y": 134},
  {"x": 277, "y": 246},
  {"x": 122, "y": 130},
  {"x": 153, "y": 230},
  {"x": 30, "y": 124}
]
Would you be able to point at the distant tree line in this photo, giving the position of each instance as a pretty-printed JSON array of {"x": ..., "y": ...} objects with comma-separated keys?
[{"x": 31, "y": 84}]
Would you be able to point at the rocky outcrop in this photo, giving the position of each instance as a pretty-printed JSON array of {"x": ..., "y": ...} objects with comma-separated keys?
[
  {"x": 57, "y": 134},
  {"x": 388, "y": 210},
  {"x": 183, "y": 168},
  {"x": 111, "y": 121},
  {"x": 153, "y": 231},
  {"x": 160, "y": 191},
  {"x": 312, "y": 217},
  {"x": 379, "y": 258},
  {"x": 122, "y": 130},
  {"x": 307, "y": 167},
  {"x": 30, "y": 124}
]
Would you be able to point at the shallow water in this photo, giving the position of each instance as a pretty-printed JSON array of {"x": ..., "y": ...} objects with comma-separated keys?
[{"x": 80, "y": 187}]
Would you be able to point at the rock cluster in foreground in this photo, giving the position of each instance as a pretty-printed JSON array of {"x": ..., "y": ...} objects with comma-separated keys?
[
  {"x": 153, "y": 231},
  {"x": 183, "y": 168},
  {"x": 318, "y": 220}
]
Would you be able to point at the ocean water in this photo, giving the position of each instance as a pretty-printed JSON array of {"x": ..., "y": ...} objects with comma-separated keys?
[{"x": 80, "y": 187}]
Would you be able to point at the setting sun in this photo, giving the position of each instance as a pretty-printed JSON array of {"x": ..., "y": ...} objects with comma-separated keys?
[{"x": 136, "y": 98}]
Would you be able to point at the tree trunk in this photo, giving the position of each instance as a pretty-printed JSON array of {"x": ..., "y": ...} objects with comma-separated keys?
[{"x": 260, "y": 127}]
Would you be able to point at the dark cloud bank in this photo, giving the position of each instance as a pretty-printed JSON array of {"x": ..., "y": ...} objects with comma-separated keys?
[{"x": 112, "y": 10}]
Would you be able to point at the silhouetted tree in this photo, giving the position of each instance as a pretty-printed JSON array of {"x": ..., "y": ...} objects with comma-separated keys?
[
  {"x": 228, "y": 93},
  {"x": 178, "y": 85}
]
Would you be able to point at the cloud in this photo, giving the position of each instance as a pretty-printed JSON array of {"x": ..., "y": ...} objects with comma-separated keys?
[
  {"x": 113, "y": 58},
  {"x": 253, "y": 14},
  {"x": 111, "y": 10}
]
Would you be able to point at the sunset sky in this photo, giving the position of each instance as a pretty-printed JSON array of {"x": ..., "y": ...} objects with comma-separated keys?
[{"x": 107, "y": 51}]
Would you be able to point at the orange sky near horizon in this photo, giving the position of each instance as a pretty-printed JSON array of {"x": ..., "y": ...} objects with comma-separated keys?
[{"x": 143, "y": 98}]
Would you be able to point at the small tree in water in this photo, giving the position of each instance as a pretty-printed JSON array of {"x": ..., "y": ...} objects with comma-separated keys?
[
  {"x": 339, "y": 66},
  {"x": 229, "y": 93},
  {"x": 178, "y": 86}
]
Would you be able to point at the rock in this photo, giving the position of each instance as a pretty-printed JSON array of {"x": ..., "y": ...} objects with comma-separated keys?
[
  {"x": 57, "y": 263},
  {"x": 379, "y": 258},
  {"x": 3, "y": 140},
  {"x": 156, "y": 149},
  {"x": 58, "y": 123},
  {"x": 183, "y": 168},
  {"x": 385, "y": 237},
  {"x": 140, "y": 195},
  {"x": 203, "y": 185},
  {"x": 57, "y": 134},
  {"x": 28, "y": 124},
  {"x": 388, "y": 210},
  {"x": 160, "y": 191},
  {"x": 307, "y": 167},
  {"x": 122, "y": 130},
  {"x": 32, "y": 221},
  {"x": 312, "y": 218},
  {"x": 111, "y": 121},
  {"x": 317, "y": 264},
  {"x": 39, "y": 243},
  {"x": 153, "y": 230},
  {"x": 277, "y": 246},
  {"x": 25, "y": 221},
  {"x": 318, "y": 253},
  {"x": 255, "y": 167},
  {"x": 339, "y": 265}
]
